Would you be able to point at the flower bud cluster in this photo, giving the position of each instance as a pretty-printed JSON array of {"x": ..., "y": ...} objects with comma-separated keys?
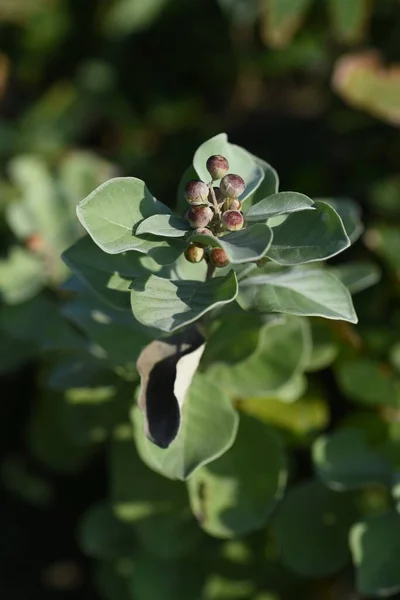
[{"x": 214, "y": 210}]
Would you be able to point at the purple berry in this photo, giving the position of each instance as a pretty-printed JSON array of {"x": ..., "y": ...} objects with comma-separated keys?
[
  {"x": 232, "y": 186},
  {"x": 196, "y": 192},
  {"x": 217, "y": 166},
  {"x": 199, "y": 216},
  {"x": 232, "y": 220}
]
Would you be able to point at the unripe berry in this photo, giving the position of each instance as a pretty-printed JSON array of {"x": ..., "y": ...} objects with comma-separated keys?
[
  {"x": 199, "y": 216},
  {"x": 194, "y": 253},
  {"x": 232, "y": 203},
  {"x": 217, "y": 166},
  {"x": 232, "y": 220},
  {"x": 232, "y": 185},
  {"x": 218, "y": 257},
  {"x": 196, "y": 192}
]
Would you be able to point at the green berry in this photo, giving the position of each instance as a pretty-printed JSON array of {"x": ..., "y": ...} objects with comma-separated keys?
[
  {"x": 217, "y": 166},
  {"x": 199, "y": 216},
  {"x": 194, "y": 253},
  {"x": 232, "y": 220},
  {"x": 218, "y": 257},
  {"x": 196, "y": 192},
  {"x": 232, "y": 186}
]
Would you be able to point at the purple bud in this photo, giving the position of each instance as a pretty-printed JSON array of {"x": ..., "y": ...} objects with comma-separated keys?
[
  {"x": 196, "y": 192},
  {"x": 199, "y": 216},
  {"x": 217, "y": 166},
  {"x": 232, "y": 204},
  {"x": 232, "y": 220},
  {"x": 218, "y": 257},
  {"x": 232, "y": 185}
]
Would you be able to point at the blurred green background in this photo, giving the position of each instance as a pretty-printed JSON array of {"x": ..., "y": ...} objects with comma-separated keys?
[{"x": 94, "y": 88}]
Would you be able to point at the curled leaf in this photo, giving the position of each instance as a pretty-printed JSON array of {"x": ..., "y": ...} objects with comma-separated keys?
[{"x": 166, "y": 368}]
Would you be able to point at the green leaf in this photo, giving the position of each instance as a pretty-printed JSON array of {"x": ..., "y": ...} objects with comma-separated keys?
[
  {"x": 368, "y": 382},
  {"x": 22, "y": 275},
  {"x": 229, "y": 498},
  {"x": 282, "y": 351},
  {"x": 278, "y": 204},
  {"x": 247, "y": 245},
  {"x": 269, "y": 185},
  {"x": 167, "y": 579},
  {"x": 309, "y": 292},
  {"x": 163, "y": 226},
  {"x": 124, "y": 17},
  {"x": 350, "y": 213},
  {"x": 384, "y": 241},
  {"x": 357, "y": 276},
  {"x": 112, "y": 578},
  {"x": 157, "y": 509},
  {"x": 308, "y": 236},
  {"x": 111, "y": 213},
  {"x": 208, "y": 428},
  {"x": 375, "y": 546},
  {"x": 39, "y": 321},
  {"x": 312, "y": 526},
  {"x": 102, "y": 535},
  {"x": 345, "y": 460},
  {"x": 169, "y": 305},
  {"x": 240, "y": 161},
  {"x": 282, "y": 20},
  {"x": 325, "y": 346},
  {"x": 116, "y": 333},
  {"x": 349, "y": 19},
  {"x": 108, "y": 275}
]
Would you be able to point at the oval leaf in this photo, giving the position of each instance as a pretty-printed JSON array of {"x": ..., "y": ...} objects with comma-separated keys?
[
  {"x": 311, "y": 292},
  {"x": 311, "y": 528},
  {"x": 278, "y": 204},
  {"x": 345, "y": 460},
  {"x": 357, "y": 276},
  {"x": 246, "y": 245},
  {"x": 208, "y": 428},
  {"x": 228, "y": 498},
  {"x": 164, "y": 226},
  {"x": 282, "y": 351},
  {"x": 240, "y": 161},
  {"x": 169, "y": 305},
  {"x": 350, "y": 213},
  {"x": 375, "y": 546},
  {"x": 111, "y": 213},
  {"x": 309, "y": 236}
]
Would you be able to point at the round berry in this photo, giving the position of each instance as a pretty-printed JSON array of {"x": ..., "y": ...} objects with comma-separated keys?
[
  {"x": 196, "y": 192},
  {"x": 218, "y": 257},
  {"x": 217, "y": 166},
  {"x": 194, "y": 253},
  {"x": 232, "y": 220},
  {"x": 199, "y": 216},
  {"x": 232, "y": 185}
]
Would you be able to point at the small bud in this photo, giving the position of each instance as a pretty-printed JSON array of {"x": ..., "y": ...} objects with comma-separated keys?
[
  {"x": 218, "y": 257},
  {"x": 232, "y": 185},
  {"x": 196, "y": 192},
  {"x": 261, "y": 262},
  {"x": 194, "y": 253},
  {"x": 232, "y": 220},
  {"x": 232, "y": 204},
  {"x": 199, "y": 216},
  {"x": 217, "y": 166}
]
